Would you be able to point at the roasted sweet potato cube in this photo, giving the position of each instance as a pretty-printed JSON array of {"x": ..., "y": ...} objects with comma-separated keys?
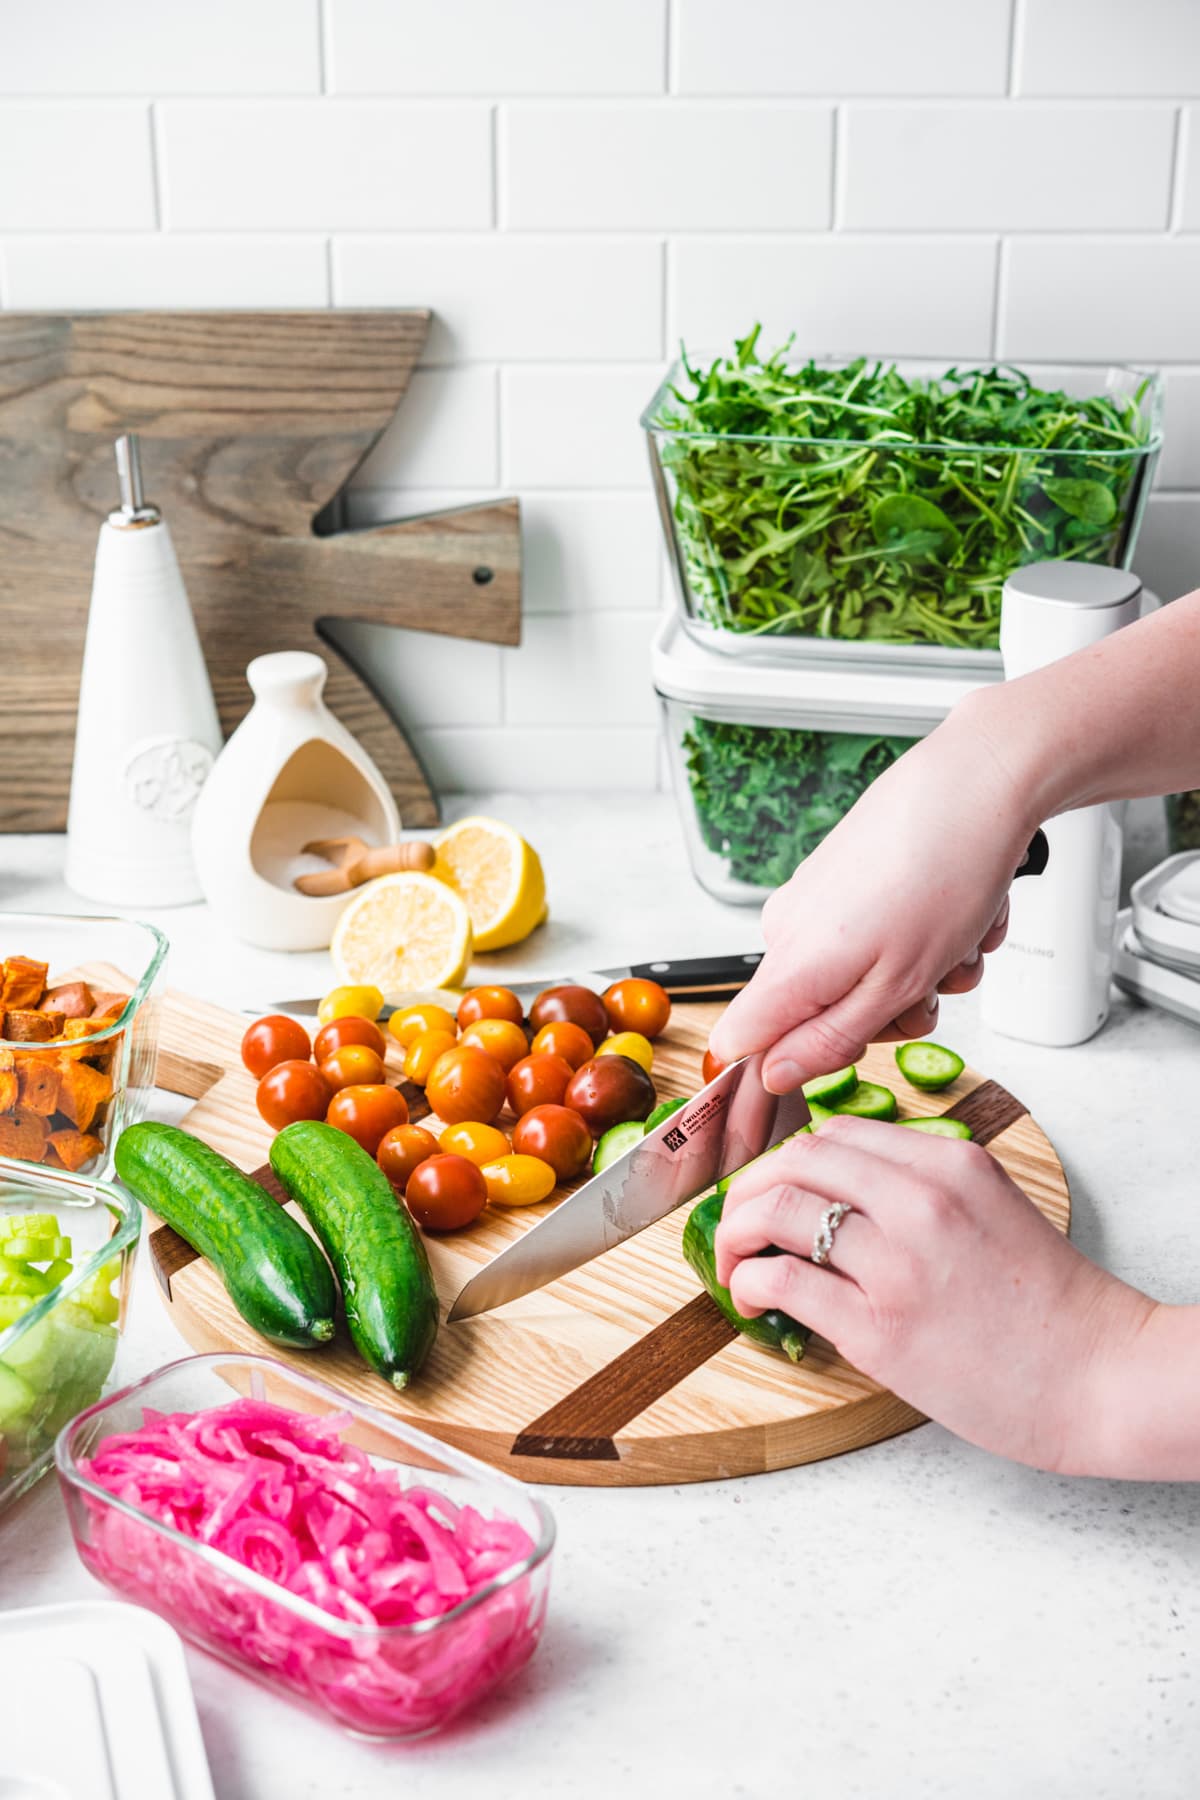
[
  {"x": 23, "y": 1134},
  {"x": 74, "y": 1000},
  {"x": 24, "y": 982},
  {"x": 24, "y": 1025},
  {"x": 73, "y": 1148},
  {"x": 82, "y": 1091},
  {"x": 8, "y": 1081},
  {"x": 38, "y": 1082},
  {"x": 108, "y": 1005}
]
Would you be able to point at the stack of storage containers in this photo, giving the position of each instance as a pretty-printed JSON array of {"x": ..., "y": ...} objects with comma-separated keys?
[{"x": 839, "y": 587}]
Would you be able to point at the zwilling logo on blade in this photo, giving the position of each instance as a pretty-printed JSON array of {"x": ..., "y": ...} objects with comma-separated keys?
[
  {"x": 695, "y": 1121},
  {"x": 675, "y": 1139}
]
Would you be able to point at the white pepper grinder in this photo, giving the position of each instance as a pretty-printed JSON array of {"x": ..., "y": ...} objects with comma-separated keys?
[{"x": 147, "y": 731}]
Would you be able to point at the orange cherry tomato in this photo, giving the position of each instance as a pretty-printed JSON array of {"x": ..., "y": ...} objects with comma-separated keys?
[
  {"x": 445, "y": 1193},
  {"x": 466, "y": 1083},
  {"x": 489, "y": 1003},
  {"x": 519, "y": 1180},
  {"x": 635, "y": 1005},
  {"x": 290, "y": 1091},
  {"x": 711, "y": 1067},
  {"x": 273, "y": 1040},
  {"x": 478, "y": 1143},
  {"x": 498, "y": 1038},
  {"x": 411, "y": 1021},
  {"x": 558, "y": 1136},
  {"x": 351, "y": 1030},
  {"x": 424, "y": 1051},
  {"x": 579, "y": 1004},
  {"x": 352, "y": 1066},
  {"x": 538, "y": 1081},
  {"x": 401, "y": 1149},
  {"x": 367, "y": 1113},
  {"x": 563, "y": 1038}
]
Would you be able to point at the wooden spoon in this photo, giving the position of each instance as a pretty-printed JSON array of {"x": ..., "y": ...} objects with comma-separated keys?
[{"x": 355, "y": 862}]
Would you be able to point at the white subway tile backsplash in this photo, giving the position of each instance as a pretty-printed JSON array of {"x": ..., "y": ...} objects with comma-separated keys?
[
  {"x": 676, "y": 165},
  {"x": 560, "y": 759},
  {"x": 75, "y": 166},
  {"x": 496, "y": 46},
  {"x": 443, "y": 435},
  {"x": 122, "y": 47},
  {"x": 1168, "y": 553},
  {"x": 1189, "y": 174},
  {"x": 1179, "y": 464},
  {"x": 580, "y": 669},
  {"x": 854, "y": 47},
  {"x": 1001, "y": 166},
  {"x": 905, "y": 295},
  {"x": 425, "y": 678},
  {"x": 575, "y": 427},
  {"x": 159, "y": 270},
  {"x": 1125, "y": 299},
  {"x": 1100, "y": 47},
  {"x": 504, "y": 297},
  {"x": 332, "y": 165},
  {"x": 586, "y": 553}
]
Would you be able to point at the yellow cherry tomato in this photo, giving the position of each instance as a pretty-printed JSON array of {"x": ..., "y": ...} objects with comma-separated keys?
[
  {"x": 499, "y": 1038},
  {"x": 519, "y": 1180},
  {"x": 479, "y": 1143},
  {"x": 408, "y": 1022},
  {"x": 360, "y": 1002},
  {"x": 631, "y": 1044},
  {"x": 424, "y": 1051}
]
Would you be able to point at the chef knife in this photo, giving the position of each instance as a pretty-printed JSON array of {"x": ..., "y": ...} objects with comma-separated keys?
[
  {"x": 727, "y": 1124},
  {"x": 687, "y": 978}
]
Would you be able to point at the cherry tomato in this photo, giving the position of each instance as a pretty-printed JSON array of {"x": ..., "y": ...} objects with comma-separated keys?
[
  {"x": 401, "y": 1149},
  {"x": 445, "y": 1192},
  {"x": 411, "y": 1021},
  {"x": 518, "y": 1180},
  {"x": 558, "y": 1136},
  {"x": 362, "y": 1002},
  {"x": 634, "y": 1005},
  {"x": 350, "y": 1030},
  {"x": 489, "y": 1003},
  {"x": 466, "y": 1083},
  {"x": 631, "y": 1044},
  {"x": 273, "y": 1040},
  {"x": 538, "y": 1081},
  {"x": 711, "y": 1067},
  {"x": 368, "y": 1113},
  {"x": 498, "y": 1038},
  {"x": 609, "y": 1090},
  {"x": 562, "y": 1038},
  {"x": 578, "y": 1004},
  {"x": 424, "y": 1051},
  {"x": 478, "y": 1143},
  {"x": 355, "y": 1065},
  {"x": 290, "y": 1091}
]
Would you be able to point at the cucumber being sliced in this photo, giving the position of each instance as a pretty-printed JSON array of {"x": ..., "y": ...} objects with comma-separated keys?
[
  {"x": 928, "y": 1066},
  {"x": 829, "y": 1089},
  {"x": 819, "y": 1115},
  {"x": 615, "y": 1142},
  {"x": 869, "y": 1101},
  {"x": 662, "y": 1111},
  {"x": 949, "y": 1128}
]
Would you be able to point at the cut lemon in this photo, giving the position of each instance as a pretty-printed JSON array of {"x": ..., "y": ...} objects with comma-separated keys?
[
  {"x": 498, "y": 876},
  {"x": 402, "y": 932}
]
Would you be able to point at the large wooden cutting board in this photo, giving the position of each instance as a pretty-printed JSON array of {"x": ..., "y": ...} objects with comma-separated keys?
[{"x": 685, "y": 1401}]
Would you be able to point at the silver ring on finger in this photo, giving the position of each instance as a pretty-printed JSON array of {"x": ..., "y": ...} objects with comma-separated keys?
[{"x": 823, "y": 1236}]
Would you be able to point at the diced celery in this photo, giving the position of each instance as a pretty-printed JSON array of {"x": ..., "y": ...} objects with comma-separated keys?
[
  {"x": 28, "y": 1225},
  {"x": 37, "y": 1249},
  {"x": 19, "y": 1278}
]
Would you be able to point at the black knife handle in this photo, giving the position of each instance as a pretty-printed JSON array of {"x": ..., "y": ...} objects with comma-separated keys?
[
  {"x": 1037, "y": 855},
  {"x": 701, "y": 977}
]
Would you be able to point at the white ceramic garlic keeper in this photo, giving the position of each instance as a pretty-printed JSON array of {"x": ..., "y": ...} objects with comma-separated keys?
[{"x": 289, "y": 774}]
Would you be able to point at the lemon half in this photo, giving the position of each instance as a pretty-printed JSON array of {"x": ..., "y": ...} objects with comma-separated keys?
[
  {"x": 402, "y": 932},
  {"x": 498, "y": 876}
]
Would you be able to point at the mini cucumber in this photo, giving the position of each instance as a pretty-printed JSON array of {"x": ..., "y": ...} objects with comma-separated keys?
[
  {"x": 817, "y": 1115},
  {"x": 947, "y": 1128},
  {"x": 772, "y": 1329},
  {"x": 928, "y": 1066},
  {"x": 273, "y": 1272},
  {"x": 378, "y": 1253},
  {"x": 869, "y": 1101},
  {"x": 829, "y": 1089},
  {"x": 662, "y": 1111}
]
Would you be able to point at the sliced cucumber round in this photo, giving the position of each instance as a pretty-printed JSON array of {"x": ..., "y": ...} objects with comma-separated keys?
[
  {"x": 829, "y": 1089},
  {"x": 928, "y": 1066},
  {"x": 869, "y": 1101},
  {"x": 615, "y": 1142},
  {"x": 948, "y": 1128}
]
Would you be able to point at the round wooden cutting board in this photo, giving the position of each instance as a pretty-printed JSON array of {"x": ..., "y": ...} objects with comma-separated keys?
[{"x": 621, "y": 1374}]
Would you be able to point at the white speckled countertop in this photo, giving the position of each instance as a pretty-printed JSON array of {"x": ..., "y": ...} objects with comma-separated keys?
[{"x": 916, "y": 1619}]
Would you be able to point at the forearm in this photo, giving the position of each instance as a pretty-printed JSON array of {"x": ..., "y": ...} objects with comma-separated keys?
[{"x": 1140, "y": 1417}]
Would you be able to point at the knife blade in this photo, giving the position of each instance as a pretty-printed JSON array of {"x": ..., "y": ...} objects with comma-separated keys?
[
  {"x": 727, "y": 1124},
  {"x": 684, "y": 978}
]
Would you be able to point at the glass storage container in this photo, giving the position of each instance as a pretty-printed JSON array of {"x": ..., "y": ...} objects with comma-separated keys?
[
  {"x": 71, "y": 1080},
  {"x": 766, "y": 757},
  {"x": 879, "y": 521},
  {"x": 58, "y": 1351},
  {"x": 377, "y": 1681}
]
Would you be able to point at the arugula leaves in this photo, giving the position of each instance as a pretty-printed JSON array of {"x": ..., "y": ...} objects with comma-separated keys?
[{"x": 856, "y": 502}]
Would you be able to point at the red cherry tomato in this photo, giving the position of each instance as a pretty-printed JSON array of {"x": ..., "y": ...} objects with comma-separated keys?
[
  {"x": 538, "y": 1081},
  {"x": 634, "y": 1005},
  {"x": 711, "y": 1067},
  {"x": 339, "y": 1032},
  {"x": 401, "y": 1149},
  {"x": 608, "y": 1091},
  {"x": 466, "y": 1083},
  {"x": 274, "y": 1040},
  {"x": 352, "y": 1066},
  {"x": 291, "y": 1091},
  {"x": 561, "y": 1038},
  {"x": 368, "y": 1113},
  {"x": 489, "y": 1003},
  {"x": 578, "y": 1004},
  {"x": 445, "y": 1193},
  {"x": 558, "y": 1136}
]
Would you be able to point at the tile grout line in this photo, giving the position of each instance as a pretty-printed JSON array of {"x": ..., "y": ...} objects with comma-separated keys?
[
  {"x": 323, "y": 58},
  {"x": 670, "y": 42},
  {"x": 1016, "y": 44},
  {"x": 494, "y": 170},
  {"x": 999, "y": 294},
  {"x": 157, "y": 166},
  {"x": 837, "y": 170},
  {"x": 1174, "y": 225}
]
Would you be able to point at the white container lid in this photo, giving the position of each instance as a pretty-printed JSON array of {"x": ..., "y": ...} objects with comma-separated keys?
[
  {"x": 1166, "y": 910},
  {"x": 840, "y": 696}
]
